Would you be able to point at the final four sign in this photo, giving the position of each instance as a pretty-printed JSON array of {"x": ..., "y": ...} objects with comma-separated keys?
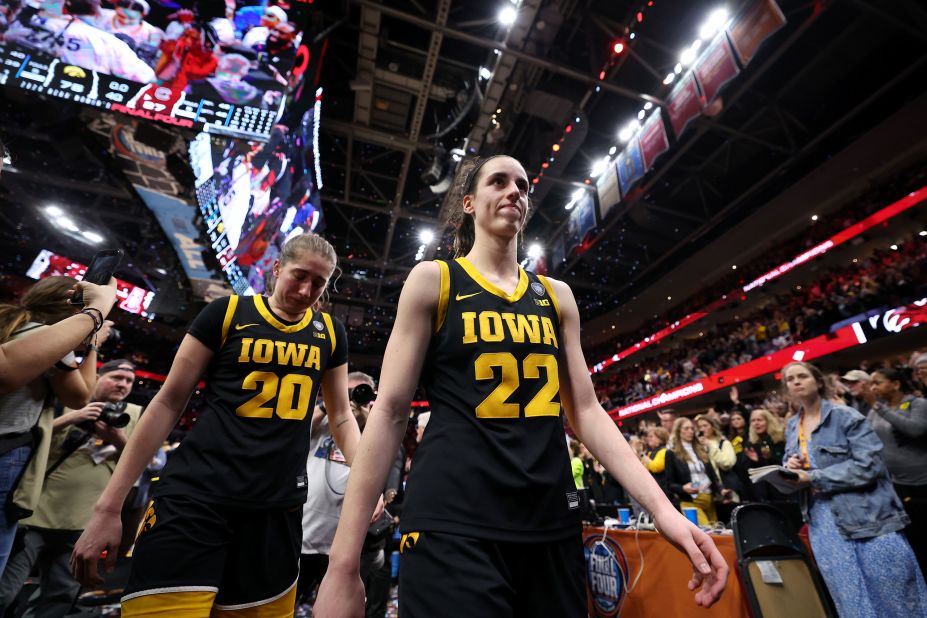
[{"x": 606, "y": 576}]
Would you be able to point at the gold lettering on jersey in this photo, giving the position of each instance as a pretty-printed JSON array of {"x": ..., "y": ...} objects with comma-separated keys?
[
  {"x": 469, "y": 319},
  {"x": 287, "y": 353},
  {"x": 515, "y": 327}
]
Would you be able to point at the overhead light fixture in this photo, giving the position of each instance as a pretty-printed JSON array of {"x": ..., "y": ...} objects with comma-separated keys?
[
  {"x": 485, "y": 73},
  {"x": 426, "y": 236},
  {"x": 508, "y": 15},
  {"x": 894, "y": 247},
  {"x": 92, "y": 236},
  {"x": 600, "y": 166},
  {"x": 715, "y": 22},
  {"x": 612, "y": 150},
  {"x": 66, "y": 224},
  {"x": 814, "y": 217},
  {"x": 53, "y": 211},
  {"x": 641, "y": 114},
  {"x": 734, "y": 267},
  {"x": 535, "y": 251},
  {"x": 578, "y": 194},
  {"x": 669, "y": 79},
  {"x": 625, "y": 134},
  {"x": 648, "y": 106},
  {"x": 922, "y": 233}
]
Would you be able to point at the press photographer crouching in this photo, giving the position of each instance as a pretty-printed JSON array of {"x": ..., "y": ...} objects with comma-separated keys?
[{"x": 84, "y": 448}]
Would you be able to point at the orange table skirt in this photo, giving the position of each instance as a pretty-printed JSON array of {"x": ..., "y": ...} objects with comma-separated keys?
[{"x": 662, "y": 590}]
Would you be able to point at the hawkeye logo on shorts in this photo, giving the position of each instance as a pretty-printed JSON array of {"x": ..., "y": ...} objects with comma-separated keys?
[
  {"x": 149, "y": 520},
  {"x": 537, "y": 288},
  {"x": 408, "y": 541},
  {"x": 318, "y": 325}
]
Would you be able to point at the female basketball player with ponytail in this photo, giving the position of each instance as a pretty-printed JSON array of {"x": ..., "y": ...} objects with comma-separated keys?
[
  {"x": 490, "y": 498},
  {"x": 224, "y": 531}
]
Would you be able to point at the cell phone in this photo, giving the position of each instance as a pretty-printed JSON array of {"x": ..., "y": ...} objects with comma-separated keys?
[{"x": 100, "y": 271}]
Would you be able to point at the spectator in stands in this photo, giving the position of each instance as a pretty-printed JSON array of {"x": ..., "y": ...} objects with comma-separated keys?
[
  {"x": 737, "y": 432},
  {"x": 920, "y": 371},
  {"x": 724, "y": 459},
  {"x": 861, "y": 396},
  {"x": 81, "y": 459},
  {"x": 854, "y": 515},
  {"x": 654, "y": 457},
  {"x": 900, "y": 420},
  {"x": 667, "y": 420},
  {"x": 690, "y": 477},
  {"x": 764, "y": 448},
  {"x": 35, "y": 333}
]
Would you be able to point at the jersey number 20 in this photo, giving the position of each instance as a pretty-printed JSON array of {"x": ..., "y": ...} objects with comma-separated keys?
[
  {"x": 284, "y": 389},
  {"x": 496, "y": 404}
]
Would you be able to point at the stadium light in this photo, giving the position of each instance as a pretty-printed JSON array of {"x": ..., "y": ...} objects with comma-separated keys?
[
  {"x": 67, "y": 224},
  {"x": 535, "y": 251},
  {"x": 715, "y": 22},
  {"x": 53, "y": 211},
  {"x": 923, "y": 233},
  {"x": 426, "y": 236},
  {"x": 578, "y": 194},
  {"x": 669, "y": 79},
  {"x": 92, "y": 236},
  {"x": 508, "y": 15},
  {"x": 600, "y": 166},
  {"x": 485, "y": 73},
  {"x": 814, "y": 217},
  {"x": 617, "y": 47}
]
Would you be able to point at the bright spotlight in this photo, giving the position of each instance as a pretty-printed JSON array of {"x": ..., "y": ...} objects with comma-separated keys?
[
  {"x": 625, "y": 134},
  {"x": 814, "y": 217},
  {"x": 66, "y": 224},
  {"x": 669, "y": 79},
  {"x": 92, "y": 237},
  {"x": 713, "y": 24},
  {"x": 485, "y": 73},
  {"x": 53, "y": 211},
  {"x": 508, "y": 15},
  {"x": 426, "y": 236},
  {"x": 535, "y": 251},
  {"x": 578, "y": 194}
]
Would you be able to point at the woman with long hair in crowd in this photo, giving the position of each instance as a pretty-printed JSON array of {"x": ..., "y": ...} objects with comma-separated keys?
[
  {"x": 43, "y": 306},
  {"x": 900, "y": 420},
  {"x": 690, "y": 475},
  {"x": 724, "y": 459},
  {"x": 764, "y": 447},
  {"x": 224, "y": 529},
  {"x": 737, "y": 431},
  {"x": 490, "y": 518},
  {"x": 854, "y": 515},
  {"x": 654, "y": 455}
]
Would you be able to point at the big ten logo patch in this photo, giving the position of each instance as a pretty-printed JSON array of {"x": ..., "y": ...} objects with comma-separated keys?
[{"x": 606, "y": 576}]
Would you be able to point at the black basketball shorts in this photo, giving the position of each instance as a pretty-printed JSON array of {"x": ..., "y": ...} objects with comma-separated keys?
[
  {"x": 455, "y": 576},
  {"x": 194, "y": 559}
]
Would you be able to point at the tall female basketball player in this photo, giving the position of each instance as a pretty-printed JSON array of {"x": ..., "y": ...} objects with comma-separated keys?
[
  {"x": 491, "y": 516},
  {"x": 224, "y": 531}
]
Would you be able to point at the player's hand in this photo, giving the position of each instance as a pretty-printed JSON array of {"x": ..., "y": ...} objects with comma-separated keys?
[
  {"x": 377, "y": 512},
  {"x": 709, "y": 570},
  {"x": 103, "y": 533},
  {"x": 341, "y": 595}
]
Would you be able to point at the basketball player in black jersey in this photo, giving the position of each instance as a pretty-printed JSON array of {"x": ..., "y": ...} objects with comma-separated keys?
[
  {"x": 490, "y": 522},
  {"x": 223, "y": 534}
]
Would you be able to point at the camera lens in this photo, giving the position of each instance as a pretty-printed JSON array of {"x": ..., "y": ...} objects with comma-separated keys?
[
  {"x": 362, "y": 394},
  {"x": 114, "y": 415}
]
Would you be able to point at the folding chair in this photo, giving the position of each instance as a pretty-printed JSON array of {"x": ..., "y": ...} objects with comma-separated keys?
[{"x": 778, "y": 576}]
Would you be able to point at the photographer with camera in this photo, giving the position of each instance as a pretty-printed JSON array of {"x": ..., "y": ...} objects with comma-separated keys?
[
  {"x": 84, "y": 448},
  {"x": 327, "y": 472}
]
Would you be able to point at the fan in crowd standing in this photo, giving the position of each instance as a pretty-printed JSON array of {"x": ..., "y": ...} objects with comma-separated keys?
[{"x": 854, "y": 515}]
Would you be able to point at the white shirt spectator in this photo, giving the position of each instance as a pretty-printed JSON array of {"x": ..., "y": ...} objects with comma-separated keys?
[
  {"x": 75, "y": 42},
  {"x": 142, "y": 33}
]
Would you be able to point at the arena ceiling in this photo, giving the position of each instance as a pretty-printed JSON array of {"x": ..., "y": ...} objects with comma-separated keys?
[{"x": 402, "y": 91}]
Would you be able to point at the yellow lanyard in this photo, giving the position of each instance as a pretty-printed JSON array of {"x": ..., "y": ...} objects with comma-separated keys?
[{"x": 802, "y": 442}]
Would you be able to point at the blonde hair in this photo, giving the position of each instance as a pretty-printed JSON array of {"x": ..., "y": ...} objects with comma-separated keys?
[
  {"x": 715, "y": 425},
  {"x": 774, "y": 427},
  {"x": 44, "y": 302},
  {"x": 661, "y": 433},
  {"x": 679, "y": 450},
  {"x": 296, "y": 246}
]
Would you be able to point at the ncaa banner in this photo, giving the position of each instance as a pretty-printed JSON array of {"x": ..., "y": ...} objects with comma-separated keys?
[
  {"x": 653, "y": 139},
  {"x": 176, "y": 217},
  {"x": 630, "y": 166},
  {"x": 684, "y": 104},
  {"x": 606, "y": 187},
  {"x": 715, "y": 67},
  {"x": 757, "y": 23}
]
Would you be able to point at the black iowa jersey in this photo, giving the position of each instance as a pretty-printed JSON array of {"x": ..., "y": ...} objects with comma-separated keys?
[
  {"x": 493, "y": 463},
  {"x": 249, "y": 448}
]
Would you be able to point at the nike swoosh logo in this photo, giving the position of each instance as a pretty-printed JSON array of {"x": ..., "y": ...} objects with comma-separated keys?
[
  {"x": 241, "y": 326},
  {"x": 463, "y": 296}
]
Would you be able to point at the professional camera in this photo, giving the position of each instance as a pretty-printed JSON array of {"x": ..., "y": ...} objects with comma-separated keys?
[
  {"x": 113, "y": 414},
  {"x": 362, "y": 394}
]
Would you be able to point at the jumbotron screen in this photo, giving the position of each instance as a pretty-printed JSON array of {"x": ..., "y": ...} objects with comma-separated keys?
[
  {"x": 129, "y": 297},
  {"x": 253, "y": 196},
  {"x": 220, "y": 66}
]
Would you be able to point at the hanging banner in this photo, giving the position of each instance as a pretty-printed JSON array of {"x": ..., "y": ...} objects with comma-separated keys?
[
  {"x": 176, "y": 218},
  {"x": 758, "y": 22},
  {"x": 653, "y": 139},
  {"x": 684, "y": 104},
  {"x": 582, "y": 219},
  {"x": 630, "y": 166},
  {"x": 715, "y": 67},
  {"x": 606, "y": 186}
]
